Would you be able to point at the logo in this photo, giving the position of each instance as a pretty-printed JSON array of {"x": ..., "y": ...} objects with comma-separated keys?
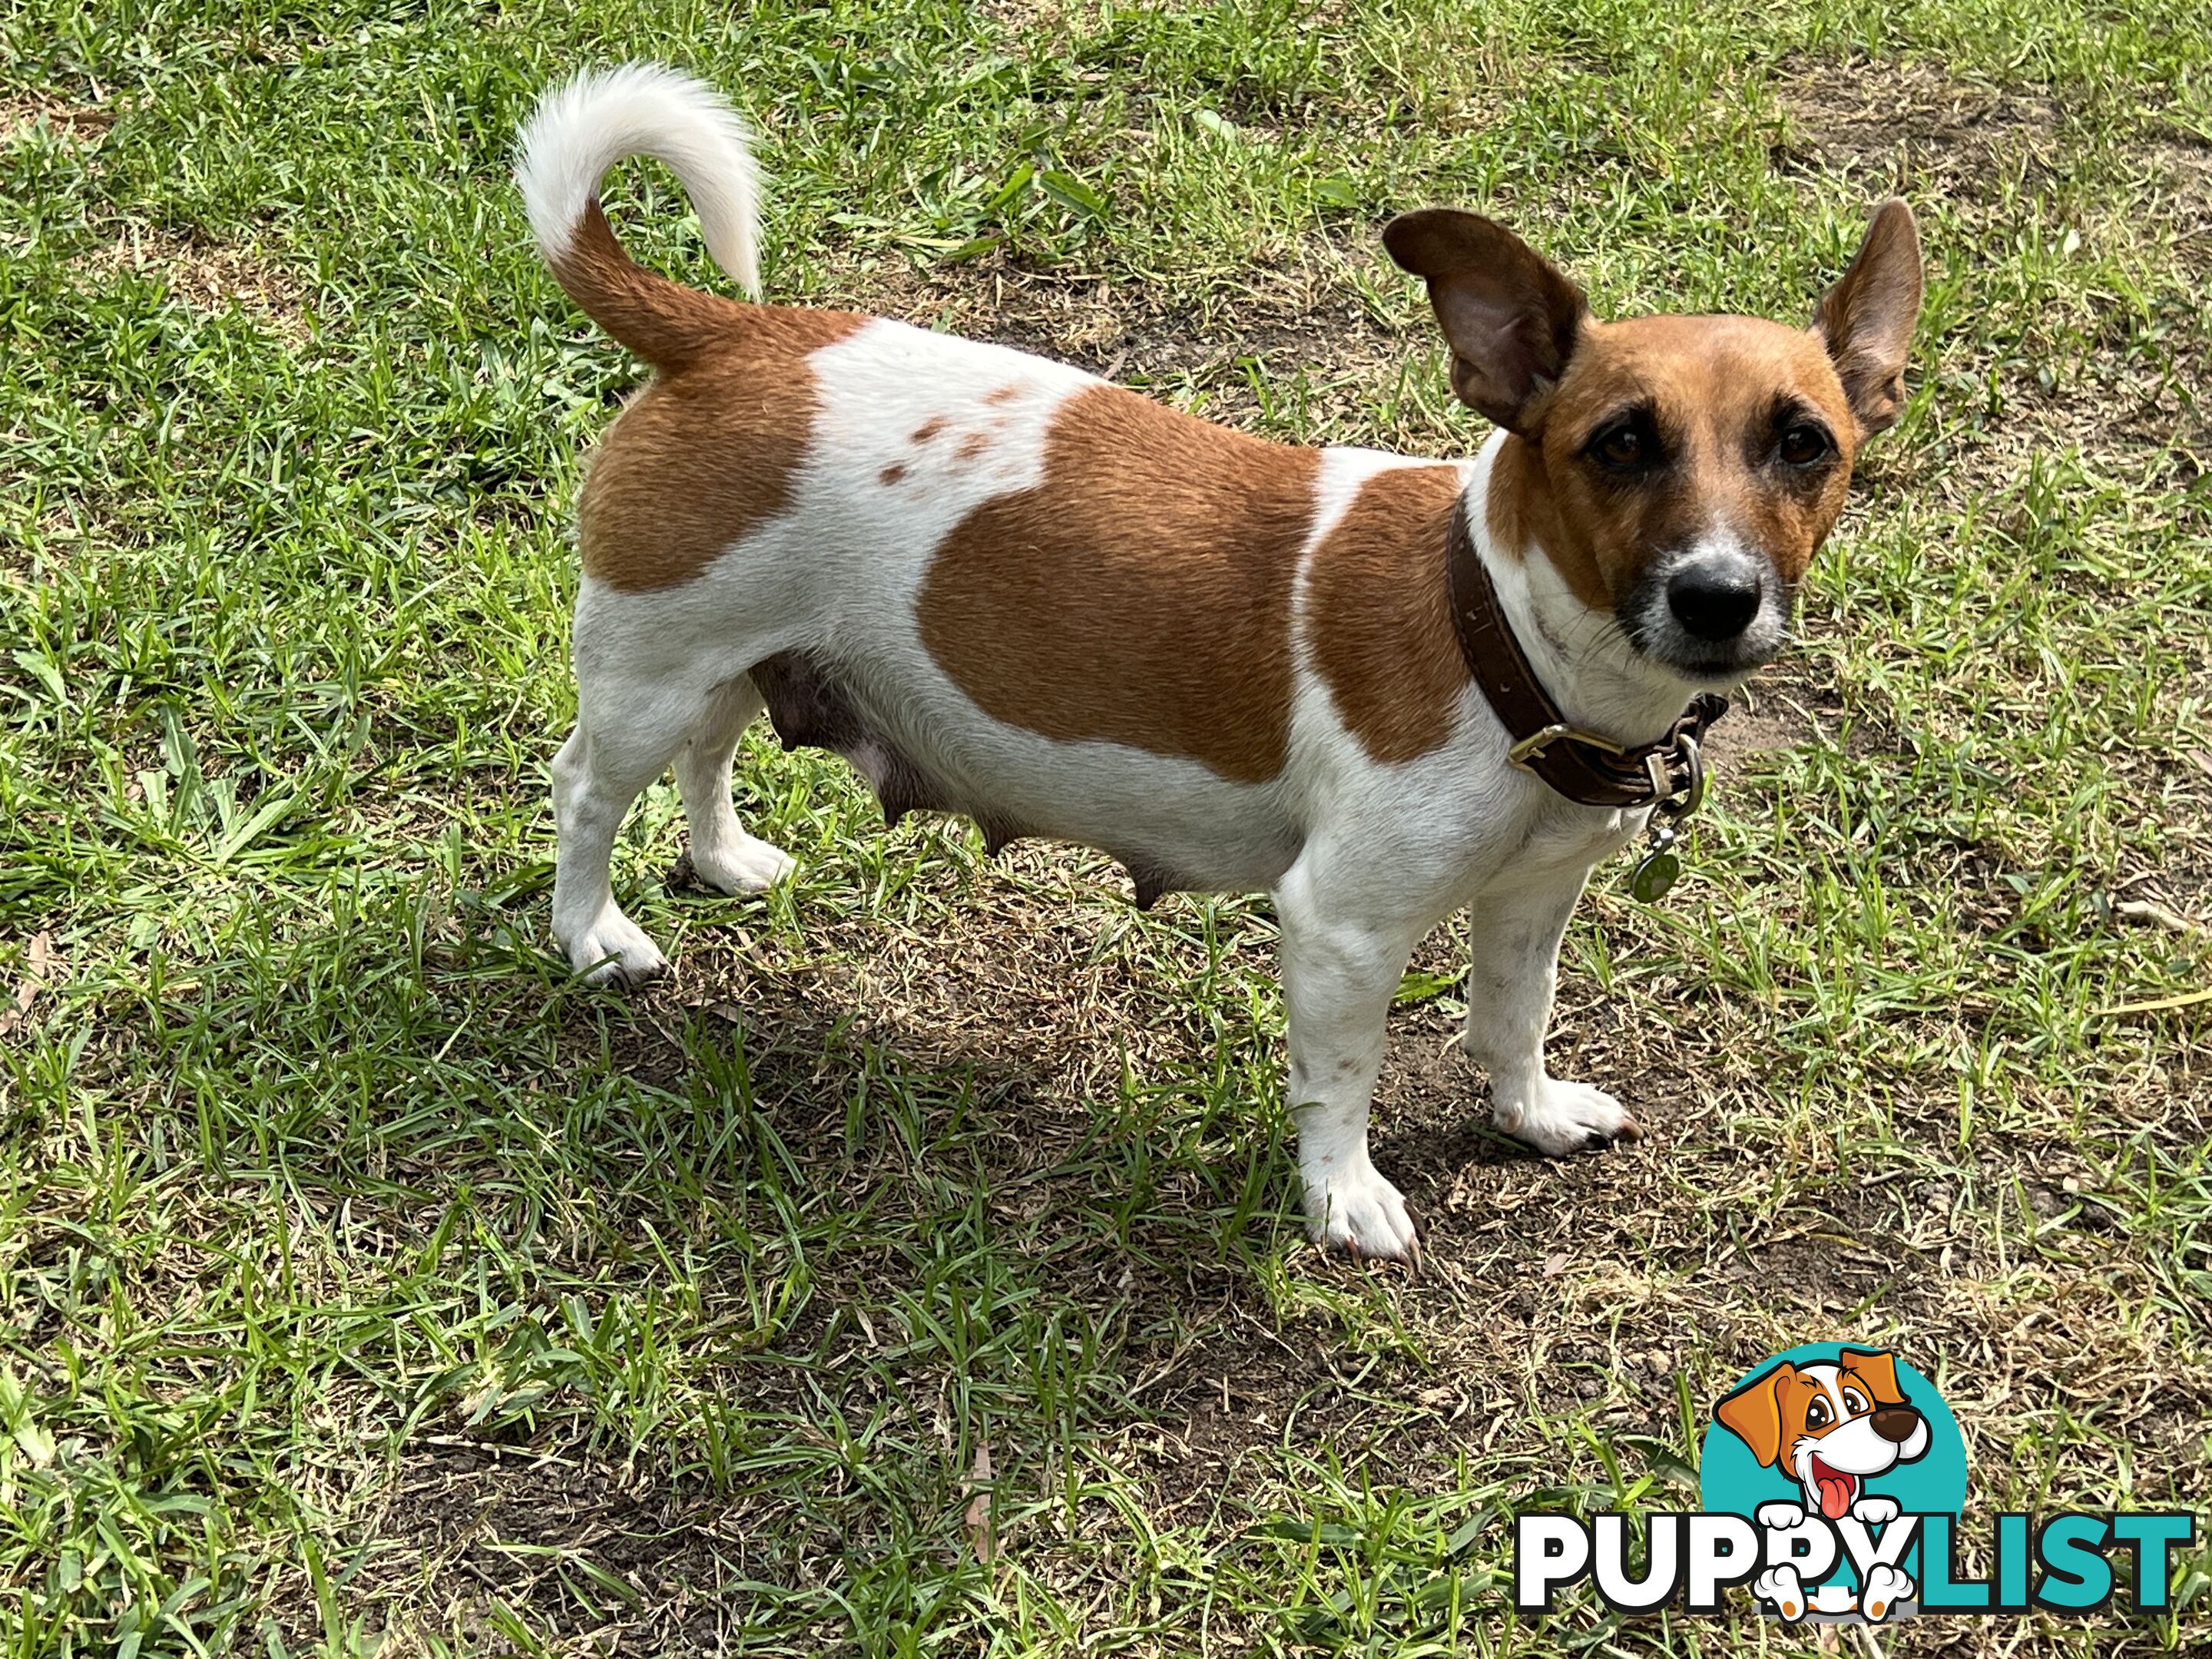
[
  {"x": 1835, "y": 1455},
  {"x": 1833, "y": 1479}
]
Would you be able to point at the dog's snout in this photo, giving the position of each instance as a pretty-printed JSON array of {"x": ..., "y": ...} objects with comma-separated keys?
[
  {"x": 1712, "y": 599},
  {"x": 1895, "y": 1424}
]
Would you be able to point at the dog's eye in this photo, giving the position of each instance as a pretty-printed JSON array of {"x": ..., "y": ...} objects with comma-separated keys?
[
  {"x": 1803, "y": 444},
  {"x": 1816, "y": 1415},
  {"x": 1627, "y": 446},
  {"x": 1623, "y": 447},
  {"x": 1855, "y": 1402}
]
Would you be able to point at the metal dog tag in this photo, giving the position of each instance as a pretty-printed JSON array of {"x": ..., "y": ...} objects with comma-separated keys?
[{"x": 1659, "y": 867}]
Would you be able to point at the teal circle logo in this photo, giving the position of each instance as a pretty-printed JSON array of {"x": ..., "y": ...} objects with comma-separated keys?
[{"x": 1825, "y": 1436}]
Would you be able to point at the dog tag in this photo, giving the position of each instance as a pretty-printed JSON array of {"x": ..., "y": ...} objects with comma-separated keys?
[
  {"x": 1654, "y": 876},
  {"x": 1659, "y": 867}
]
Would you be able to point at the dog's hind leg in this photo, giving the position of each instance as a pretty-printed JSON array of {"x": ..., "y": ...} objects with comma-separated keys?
[
  {"x": 722, "y": 855},
  {"x": 615, "y": 750},
  {"x": 642, "y": 692}
]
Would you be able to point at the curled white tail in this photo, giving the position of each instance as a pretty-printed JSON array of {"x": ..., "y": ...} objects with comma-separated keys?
[{"x": 602, "y": 117}]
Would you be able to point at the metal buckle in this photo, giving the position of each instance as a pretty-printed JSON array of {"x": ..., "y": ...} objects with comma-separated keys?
[
  {"x": 1695, "y": 789},
  {"x": 1536, "y": 743}
]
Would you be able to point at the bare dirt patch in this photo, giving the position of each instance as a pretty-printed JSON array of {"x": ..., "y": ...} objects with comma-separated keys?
[
  {"x": 211, "y": 277},
  {"x": 79, "y": 123},
  {"x": 1588, "y": 1285},
  {"x": 1895, "y": 120}
]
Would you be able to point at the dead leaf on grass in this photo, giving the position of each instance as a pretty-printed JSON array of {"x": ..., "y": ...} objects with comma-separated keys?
[
  {"x": 38, "y": 962},
  {"x": 2152, "y": 911},
  {"x": 978, "y": 1517}
]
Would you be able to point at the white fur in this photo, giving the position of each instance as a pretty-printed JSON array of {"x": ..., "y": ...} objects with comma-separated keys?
[
  {"x": 1887, "y": 1588},
  {"x": 1363, "y": 859},
  {"x": 602, "y": 117}
]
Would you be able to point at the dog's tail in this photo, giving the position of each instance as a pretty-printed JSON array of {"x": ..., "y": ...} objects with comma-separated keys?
[{"x": 580, "y": 130}]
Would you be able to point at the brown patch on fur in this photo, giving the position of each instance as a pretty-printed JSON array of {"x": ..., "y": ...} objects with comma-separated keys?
[
  {"x": 1005, "y": 394},
  {"x": 1714, "y": 386},
  {"x": 1146, "y": 603},
  {"x": 708, "y": 452},
  {"x": 973, "y": 446},
  {"x": 892, "y": 474},
  {"x": 928, "y": 429},
  {"x": 1379, "y": 612}
]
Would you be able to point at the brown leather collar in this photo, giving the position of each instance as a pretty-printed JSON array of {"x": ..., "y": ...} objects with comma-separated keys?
[{"x": 1580, "y": 765}]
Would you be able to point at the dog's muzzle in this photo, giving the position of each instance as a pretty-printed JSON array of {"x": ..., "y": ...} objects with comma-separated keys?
[{"x": 1714, "y": 611}]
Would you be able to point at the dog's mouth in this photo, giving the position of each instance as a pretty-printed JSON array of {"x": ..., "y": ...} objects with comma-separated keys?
[{"x": 1837, "y": 1488}]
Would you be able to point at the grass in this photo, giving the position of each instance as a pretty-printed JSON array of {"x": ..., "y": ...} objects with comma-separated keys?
[{"x": 370, "y": 1289}]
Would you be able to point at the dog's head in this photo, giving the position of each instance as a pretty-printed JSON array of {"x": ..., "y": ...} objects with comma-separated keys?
[
  {"x": 1680, "y": 472},
  {"x": 1831, "y": 1424}
]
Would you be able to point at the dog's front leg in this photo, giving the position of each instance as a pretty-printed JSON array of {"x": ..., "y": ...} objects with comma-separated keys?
[
  {"x": 1341, "y": 970},
  {"x": 1515, "y": 935}
]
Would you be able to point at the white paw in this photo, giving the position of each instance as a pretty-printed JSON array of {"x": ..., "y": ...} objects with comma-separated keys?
[
  {"x": 1778, "y": 1588},
  {"x": 615, "y": 951},
  {"x": 745, "y": 864},
  {"x": 1780, "y": 1517},
  {"x": 1353, "y": 1209},
  {"x": 1876, "y": 1511},
  {"x": 1568, "y": 1117},
  {"x": 1885, "y": 1588}
]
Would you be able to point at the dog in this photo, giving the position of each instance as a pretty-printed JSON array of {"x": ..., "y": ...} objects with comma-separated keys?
[
  {"x": 1832, "y": 1427},
  {"x": 1001, "y": 587}
]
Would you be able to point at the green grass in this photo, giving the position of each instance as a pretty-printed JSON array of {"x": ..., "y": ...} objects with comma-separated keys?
[{"x": 369, "y": 1288}]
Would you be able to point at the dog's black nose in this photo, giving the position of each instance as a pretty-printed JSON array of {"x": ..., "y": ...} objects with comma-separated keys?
[
  {"x": 1713, "y": 602},
  {"x": 1895, "y": 1424}
]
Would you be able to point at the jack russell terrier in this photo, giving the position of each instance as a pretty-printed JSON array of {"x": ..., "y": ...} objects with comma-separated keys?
[
  {"x": 1001, "y": 586},
  {"x": 1831, "y": 1427}
]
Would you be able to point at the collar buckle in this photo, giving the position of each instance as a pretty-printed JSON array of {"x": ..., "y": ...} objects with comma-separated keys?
[{"x": 1532, "y": 747}]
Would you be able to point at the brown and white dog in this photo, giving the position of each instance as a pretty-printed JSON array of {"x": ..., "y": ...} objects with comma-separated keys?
[{"x": 1001, "y": 586}]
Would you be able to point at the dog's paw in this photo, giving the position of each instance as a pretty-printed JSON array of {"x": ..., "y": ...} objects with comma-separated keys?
[
  {"x": 615, "y": 951},
  {"x": 1779, "y": 1589},
  {"x": 1876, "y": 1511},
  {"x": 1885, "y": 1591},
  {"x": 748, "y": 865},
  {"x": 1353, "y": 1209},
  {"x": 1780, "y": 1517},
  {"x": 1570, "y": 1117}
]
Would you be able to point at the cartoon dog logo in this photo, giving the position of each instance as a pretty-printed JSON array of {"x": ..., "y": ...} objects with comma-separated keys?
[{"x": 1832, "y": 1427}]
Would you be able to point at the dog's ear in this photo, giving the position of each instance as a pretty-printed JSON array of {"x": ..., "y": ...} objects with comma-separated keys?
[
  {"x": 1877, "y": 1370},
  {"x": 1866, "y": 320},
  {"x": 1753, "y": 1413},
  {"x": 1510, "y": 315}
]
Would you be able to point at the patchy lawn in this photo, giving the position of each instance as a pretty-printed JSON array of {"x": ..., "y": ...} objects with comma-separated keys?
[{"x": 368, "y": 1288}]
